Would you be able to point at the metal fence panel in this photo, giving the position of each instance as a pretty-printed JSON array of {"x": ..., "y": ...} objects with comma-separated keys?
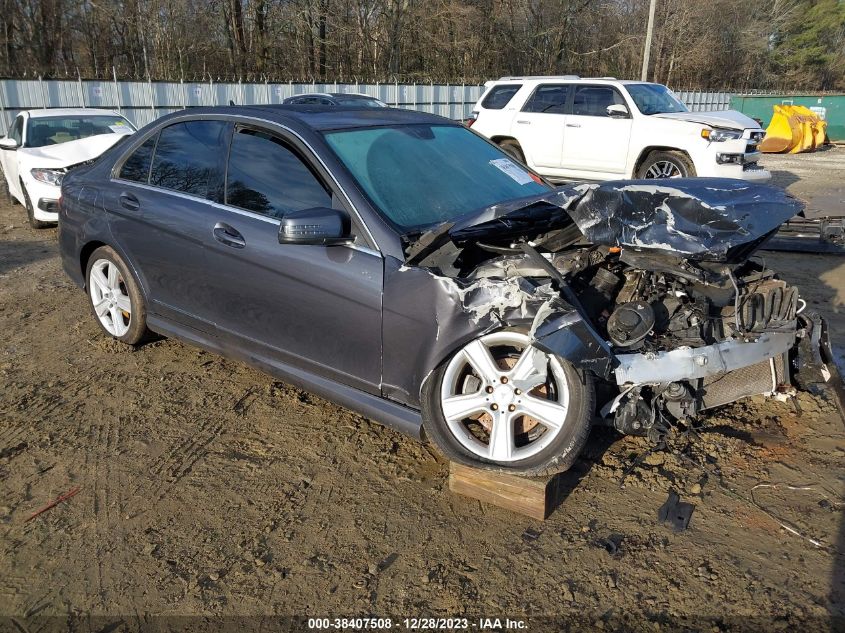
[{"x": 142, "y": 102}]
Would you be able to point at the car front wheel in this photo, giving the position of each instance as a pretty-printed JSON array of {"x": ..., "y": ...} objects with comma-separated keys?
[
  {"x": 668, "y": 164},
  {"x": 499, "y": 402},
  {"x": 30, "y": 212},
  {"x": 512, "y": 149},
  {"x": 115, "y": 297}
]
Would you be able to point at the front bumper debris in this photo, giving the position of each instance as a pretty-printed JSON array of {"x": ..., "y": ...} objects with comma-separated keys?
[{"x": 700, "y": 362}]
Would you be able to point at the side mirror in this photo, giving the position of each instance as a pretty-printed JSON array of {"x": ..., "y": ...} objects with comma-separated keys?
[
  {"x": 317, "y": 226},
  {"x": 618, "y": 111},
  {"x": 8, "y": 143}
]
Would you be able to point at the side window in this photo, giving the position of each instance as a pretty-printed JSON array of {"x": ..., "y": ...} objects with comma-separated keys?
[
  {"x": 16, "y": 132},
  {"x": 137, "y": 166},
  {"x": 189, "y": 157},
  {"x": 499, "y": 96},
  {"x": 593, "y": 100},
  {"x": 548, "y": 98},
  {"x": 266, "y": 176}
]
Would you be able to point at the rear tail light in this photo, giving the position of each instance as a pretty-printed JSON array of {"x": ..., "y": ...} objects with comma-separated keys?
[{"x": 472, "y": 118}]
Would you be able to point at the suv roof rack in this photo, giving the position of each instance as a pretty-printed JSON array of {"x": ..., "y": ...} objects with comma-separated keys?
[{"x": 569, "y": 77}]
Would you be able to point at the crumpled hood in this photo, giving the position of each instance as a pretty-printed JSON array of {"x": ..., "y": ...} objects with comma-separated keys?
[
  {"x": 730, "y": 119},
  {"x": 72, "y": 152},
  {"x": 697, "y": 218},
  {"x": 707, "y": 219}
]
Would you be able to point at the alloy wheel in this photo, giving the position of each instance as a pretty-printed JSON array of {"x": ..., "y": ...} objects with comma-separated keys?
[
  {"x": 110, "y": 297},
  {"x": 664, "y": 169},
  {"x": 503, "y": 399}
]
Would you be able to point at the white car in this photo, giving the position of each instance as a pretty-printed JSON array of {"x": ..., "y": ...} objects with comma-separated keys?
[
  {"x": 43, "y": 144},
  {"x": 568, "y": 128}
]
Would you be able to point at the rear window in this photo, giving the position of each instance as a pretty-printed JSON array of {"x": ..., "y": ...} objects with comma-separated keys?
[
  {"x": 548, "y": 98},
  {"x": 190, "y": 158},
  {"x": 499, "y": 96},
  {"x": 137, "y": 166}
]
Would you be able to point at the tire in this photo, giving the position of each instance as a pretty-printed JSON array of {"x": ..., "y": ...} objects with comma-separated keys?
[
  {"x": 512, "y": 148},
  {"x": 123, "y": 316},
  {"x": 527, "y": 445},
  {"x": 671, "y": 163},
  {"x": 30, "y": 212}
]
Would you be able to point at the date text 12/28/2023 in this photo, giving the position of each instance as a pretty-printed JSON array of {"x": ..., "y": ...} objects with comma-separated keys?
[{"x": 418, "y": 624}]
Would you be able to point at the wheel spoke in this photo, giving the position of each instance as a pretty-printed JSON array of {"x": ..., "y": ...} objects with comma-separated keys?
[
  {"x": 479, "y": 357},
  {"x": 460, "y": 407},
  {"x": 101, "y": 307},
  {"x": 113, "y": 275},
  {"x": 99, "y": 278},
  {"x": 547, "y": 412},
  {"x": 530, "y": 369},
  {"x": 123, "y": 303},
  {"x": 501, "y": 437},
  {"x": 116, "y": 319}
]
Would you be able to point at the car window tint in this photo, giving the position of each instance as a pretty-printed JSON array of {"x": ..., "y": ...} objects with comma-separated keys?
[
  {"x": 548, "y": 98},
  {"x": 593, "y": 100},
  {"x": 189, "y": 158},
  {"x": 137, "y": 166},
  {"x": 500, "y": 96},
  {"x": 266, "y": 176}
]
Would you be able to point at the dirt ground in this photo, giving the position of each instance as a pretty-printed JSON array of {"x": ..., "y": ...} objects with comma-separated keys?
[{"x": 208, "y": 489}]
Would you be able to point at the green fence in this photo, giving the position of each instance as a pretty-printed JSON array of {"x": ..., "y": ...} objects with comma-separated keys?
[{"x": 832, "y": 107}]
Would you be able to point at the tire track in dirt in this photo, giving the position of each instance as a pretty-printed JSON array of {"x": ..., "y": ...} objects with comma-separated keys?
[{"x": 175, "y": 464}]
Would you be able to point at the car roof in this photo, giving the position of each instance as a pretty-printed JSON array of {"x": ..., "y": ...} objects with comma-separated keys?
[
  {"x": 353, "y": 95},
  {"x": 333, "y": 95},
  {"x": 321, "y": 117},
  {"x": 45, "y": 112},
  {"x": 566, "y": 78}
]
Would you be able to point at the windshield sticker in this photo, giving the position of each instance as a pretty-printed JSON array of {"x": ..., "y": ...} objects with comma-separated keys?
[{"x": 513, "y": 170}]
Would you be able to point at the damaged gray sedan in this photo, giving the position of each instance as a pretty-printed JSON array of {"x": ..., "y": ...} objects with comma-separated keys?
[{"x": 404, "y": 267}]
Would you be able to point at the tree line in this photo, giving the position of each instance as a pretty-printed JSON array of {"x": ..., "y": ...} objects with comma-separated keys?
[{"x": 703, "y": 44}]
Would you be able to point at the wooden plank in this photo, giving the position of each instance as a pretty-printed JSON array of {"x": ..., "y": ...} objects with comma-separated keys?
[{"x": 535, "y": 498}]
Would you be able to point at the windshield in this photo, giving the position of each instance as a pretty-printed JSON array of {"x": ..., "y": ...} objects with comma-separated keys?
[
  {"x": 655, "y": 99},
  {"x": 360, "y": 101},
  {"x": 43, "y": 131},
  {"x": 421, "y": 175}
]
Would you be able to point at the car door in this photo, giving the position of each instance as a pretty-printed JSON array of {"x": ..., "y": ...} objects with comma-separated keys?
[
  {"x": 540, "y": 125},
  {"x": 9, "y": 157},
  {"x": 596, "y": 143},
  {"x": 314, "y": 307},
  {"x": 159, "y": 210}
]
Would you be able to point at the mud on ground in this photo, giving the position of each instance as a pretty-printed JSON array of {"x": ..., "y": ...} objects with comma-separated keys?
[{"x": 207, "y": 488}]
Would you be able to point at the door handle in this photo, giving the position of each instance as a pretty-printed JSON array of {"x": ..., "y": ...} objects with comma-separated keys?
[
  {"x": 229, "y": 236},
  {"x": 130, "y": 202},
  {"x": 524, "y": 122},
  {"x": 573, "y": 125}
]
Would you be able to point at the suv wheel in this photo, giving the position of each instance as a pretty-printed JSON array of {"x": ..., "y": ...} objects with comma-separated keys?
[
  {"x": 30, "y": 212},
  {"x": 499, "y": 402},
  {"x": 115, "y": 297},
  {"x": 512, "y": 148},
  {"x": 668, "y": 164}
]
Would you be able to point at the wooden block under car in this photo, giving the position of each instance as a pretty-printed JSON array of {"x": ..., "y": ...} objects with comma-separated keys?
[{"x": 535, "y": 498}]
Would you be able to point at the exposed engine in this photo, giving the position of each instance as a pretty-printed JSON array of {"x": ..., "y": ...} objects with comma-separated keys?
[{"x": 652, "y": 311}]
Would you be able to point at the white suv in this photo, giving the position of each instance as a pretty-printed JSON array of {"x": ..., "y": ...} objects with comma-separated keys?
[{"x": 568, "y": 128}]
